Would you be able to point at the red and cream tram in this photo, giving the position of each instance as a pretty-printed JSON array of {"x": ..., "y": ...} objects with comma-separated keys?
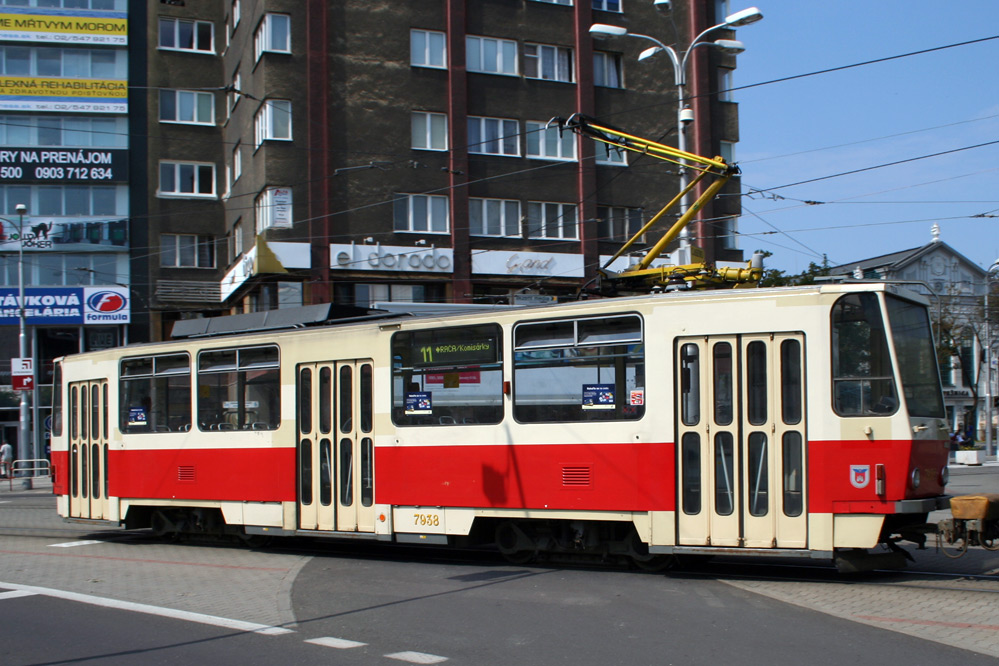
[{"x": 803, "y": 421}]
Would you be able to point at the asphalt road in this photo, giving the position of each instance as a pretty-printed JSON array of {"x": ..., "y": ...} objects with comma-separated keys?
[{"x": 69, "y": 594}]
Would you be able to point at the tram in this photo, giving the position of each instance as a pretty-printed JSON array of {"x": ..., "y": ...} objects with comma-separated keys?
[{"x": 798, "y": 421}]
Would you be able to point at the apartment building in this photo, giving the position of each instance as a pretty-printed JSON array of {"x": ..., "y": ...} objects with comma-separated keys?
[{"x": 303, "y": 151}]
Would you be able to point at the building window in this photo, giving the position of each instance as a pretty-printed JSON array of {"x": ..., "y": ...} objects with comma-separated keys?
[
  {"x": 607, "y": 5},
  {"x": 551, "y": 220},
  {"x": 491, "y": 56},
  {"x": 421, "y": 213},
  {"x": 82, "y": 200},
  {"x": 235, "y": 14},
  {"x": 187, "y": 179},
  {"x": 429, "y": 131},
  {"x": 187, "y": 251},
  {"x": 607, "y": 154},
  {"x": 726, "y": 149},
  {"x": 77, "y": 63},
  {"x": 615, "y": 223},
  {"x": 237, "y": 164},
  {"x": 549, "y": 143},
  {"x": 551, "y": 63},
  {"x": 567, "y": 3},
  {"x": 273, "y": 209},
  {"x": 607, "y": 69},
  {"x": 237, "y": 240},
  {"x": 187, "y": 106},
  {"x": 427, "y": 49},
  {"x": 725, "y": 84},
  {"x": 727, "y": 231},
  {"x": 494, "y": 217},
  {"x": 233, "y": 95},
  {"x": 179, "y": 35},
  {"x": 493, "y": 136},
  {"x": 273, "y": 34},
  {"x": 273, "y": 121},
  {"x": 64, "y": 131}
]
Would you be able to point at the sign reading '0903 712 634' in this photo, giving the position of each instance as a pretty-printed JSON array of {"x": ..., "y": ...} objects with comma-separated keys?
[{"x": 63, "y": 165}]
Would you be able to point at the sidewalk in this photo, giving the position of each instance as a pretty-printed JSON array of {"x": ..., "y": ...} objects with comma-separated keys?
[{"x": 35, "y": 484}]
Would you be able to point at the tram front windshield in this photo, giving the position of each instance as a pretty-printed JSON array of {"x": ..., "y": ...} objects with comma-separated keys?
[{"x": 917, "y": 361}]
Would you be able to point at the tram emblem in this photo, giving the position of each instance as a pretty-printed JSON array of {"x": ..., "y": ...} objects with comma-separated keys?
[{"x": 860, "y": 475}]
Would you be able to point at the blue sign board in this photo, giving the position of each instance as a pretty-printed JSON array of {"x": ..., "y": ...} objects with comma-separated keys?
[{"x": 54, "y": 306}]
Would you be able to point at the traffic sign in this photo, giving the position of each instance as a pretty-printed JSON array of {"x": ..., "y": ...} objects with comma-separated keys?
[{"x": 22, "y": 374}]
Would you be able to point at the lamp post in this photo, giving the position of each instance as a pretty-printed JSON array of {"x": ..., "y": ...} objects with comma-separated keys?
[
  {"x": 25, "y": 448},
  {"x": 685, "y": 115},
  {"x": 989, "y": 449}
]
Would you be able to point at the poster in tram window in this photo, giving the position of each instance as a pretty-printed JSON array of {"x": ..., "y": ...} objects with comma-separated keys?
[
  {"x": 419, "y": 403},
  {"x": 598, "y": 396}
]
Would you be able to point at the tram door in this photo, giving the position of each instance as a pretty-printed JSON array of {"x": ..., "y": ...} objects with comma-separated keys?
[
  {"x": 336, "y": 446},
  {"x": 88, "y": 449},
  {"x": 741, "y": 433}
]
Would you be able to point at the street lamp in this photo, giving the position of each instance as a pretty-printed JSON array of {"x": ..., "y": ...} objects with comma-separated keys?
[
  {"x": 989, "y": 449},
  {"x": 25, "y": 448},
  {"x": 685, "y": 115}
]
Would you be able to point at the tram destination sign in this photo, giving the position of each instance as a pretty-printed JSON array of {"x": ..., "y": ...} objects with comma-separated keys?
[{"x": 63, "y": 165}]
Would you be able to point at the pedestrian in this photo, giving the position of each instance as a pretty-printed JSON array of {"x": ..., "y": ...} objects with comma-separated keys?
[{"x": 6, "y": 459}]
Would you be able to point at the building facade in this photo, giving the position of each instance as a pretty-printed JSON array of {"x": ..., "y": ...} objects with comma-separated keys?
[
  {"x": 301, "y": 151},
  {"x": 64, "y": 195}
]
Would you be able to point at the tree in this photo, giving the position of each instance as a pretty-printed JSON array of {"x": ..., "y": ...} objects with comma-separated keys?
[{"x": 773, "y": 277}]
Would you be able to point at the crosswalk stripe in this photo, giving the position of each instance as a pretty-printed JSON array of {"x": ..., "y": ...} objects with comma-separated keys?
[
  {"x": 338, "y": 643},
  {"x": 416, "y": 657}
]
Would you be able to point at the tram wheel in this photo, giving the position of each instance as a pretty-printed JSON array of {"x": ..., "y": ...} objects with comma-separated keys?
[
  {"x": 655, "y": 563},
  {"x": 989, "y": 544}
]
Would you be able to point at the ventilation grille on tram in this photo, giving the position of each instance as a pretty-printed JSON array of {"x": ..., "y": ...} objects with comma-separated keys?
[
  {"x": 185, "y": 473},
  {"x": 575, "y": 477}
]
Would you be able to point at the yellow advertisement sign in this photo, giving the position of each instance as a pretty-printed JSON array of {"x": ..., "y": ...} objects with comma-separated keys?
[
  {"x": 65, "y": 27},
  {"x": 80, "y": 95}
]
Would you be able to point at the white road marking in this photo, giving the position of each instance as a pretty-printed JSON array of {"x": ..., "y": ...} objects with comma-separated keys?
[
  {"x": 14, "y": 594},
  {"x": 72, "y": 544},
  {"x": 417, "y": 657},
  {"x": 188, "y": 616},
  {"x": 338, "y": 643}
]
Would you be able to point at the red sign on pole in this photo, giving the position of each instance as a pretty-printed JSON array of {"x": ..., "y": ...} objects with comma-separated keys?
[{"x": 22, "y": 375}]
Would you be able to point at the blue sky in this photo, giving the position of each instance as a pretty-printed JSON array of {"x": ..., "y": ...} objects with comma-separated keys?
[{"x": 861, "y": 117}]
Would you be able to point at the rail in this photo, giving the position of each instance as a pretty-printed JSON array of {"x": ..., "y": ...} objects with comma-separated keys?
[{"x": 19, "y": 468}]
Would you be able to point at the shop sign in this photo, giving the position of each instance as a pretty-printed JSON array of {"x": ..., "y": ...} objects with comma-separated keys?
[
  {"x": 391, "y": 258},
  {"x": 66, "y": 305},
  {"x": 534, "y": 264},
  {"x": 60, "y": 26},
  {"x": 58, "y": 165}
]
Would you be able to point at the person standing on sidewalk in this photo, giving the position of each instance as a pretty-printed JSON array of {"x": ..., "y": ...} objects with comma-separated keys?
[{"x": 6, "y": 459}]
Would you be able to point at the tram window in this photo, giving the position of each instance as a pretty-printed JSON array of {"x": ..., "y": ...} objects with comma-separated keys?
[
  {"x": 346, "y": 408},
  {"x": 73, "y": 420},
  {"x": 106, "y": 413},
  {"x": 446, "y": 376},
  {"x": 74, "y": 474},
  {"x": 790, "y": 381},
  {"x": 95, "y": 469},
  {"x": 917, "y": 360},
  {"x": 722, "y": 361},
  {"x": 57, "y": 401},
  {"x": 759, "y": 474},
  {"x": 346, "y": 462},
  {"x": 724, "y": 474},
  {"x": 305, "y": 400},
  {"x": 325, "y": 473},
  {"x": 155, "y": 394},
  {"x": 792, "y": 472},
  {"x": 756, "y": 379},
  {"x": 367, "y": 399},
  {"x": 691, "y": 455},
  {"x": 690, "y": 384},
  {"x": 95, "y": 411},
  {"x": 325, "y": 400},
  {"x": 367, "y": 472},
  {"x": 597, "y": 375},
  {"x": 863, "y": 384},
  {"x": 239, "y": 389},
  {"x": 84, "y": 413},
  {"x": 305, "y": 472}
]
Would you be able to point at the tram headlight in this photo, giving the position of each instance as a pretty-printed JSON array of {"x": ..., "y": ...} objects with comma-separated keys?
[
  {"x": 914, "y": 478},
  {"x": 944, "y": 475}
]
